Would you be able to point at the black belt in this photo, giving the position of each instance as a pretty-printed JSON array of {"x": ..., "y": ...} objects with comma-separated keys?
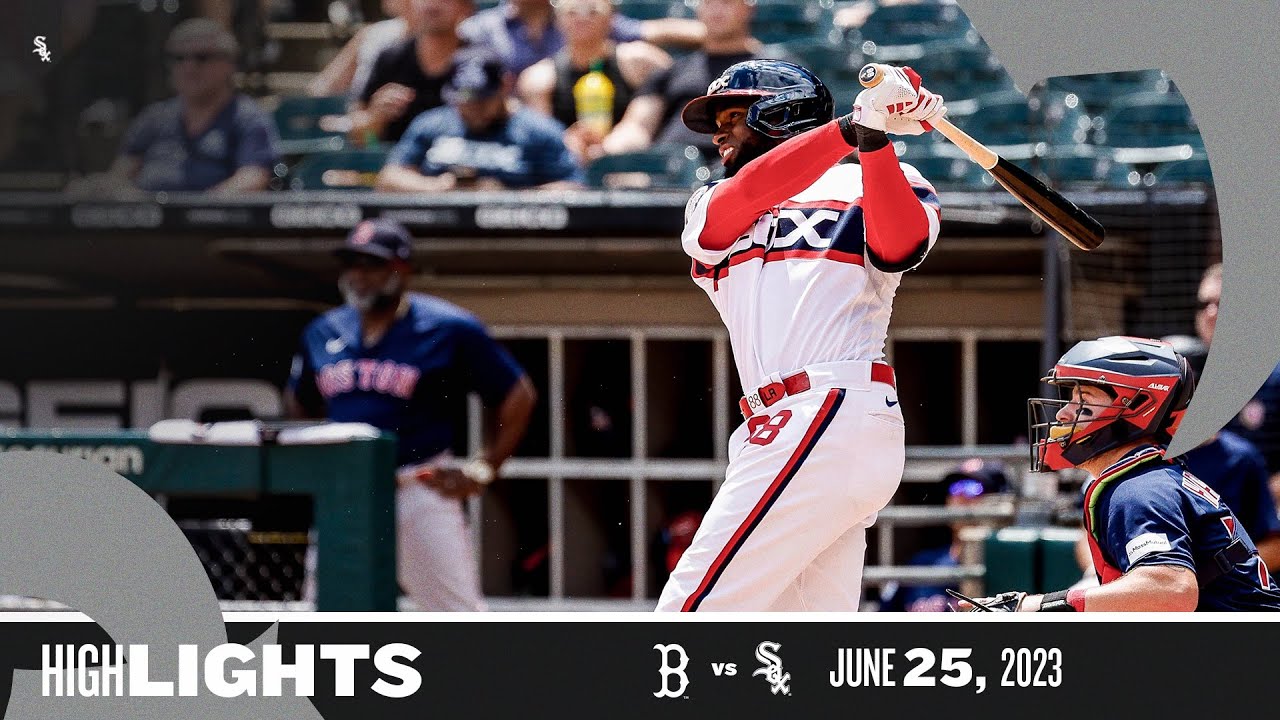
[{"x": 1226, "y": 560}]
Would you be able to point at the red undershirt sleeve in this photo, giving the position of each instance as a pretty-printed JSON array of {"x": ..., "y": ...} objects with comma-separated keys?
[
  {"x": 770, "y": 179},
  {"x": 896, "y": 223}
]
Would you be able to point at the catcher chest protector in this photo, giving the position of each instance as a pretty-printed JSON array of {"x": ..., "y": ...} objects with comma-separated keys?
[{"x": 789, "y": 99}]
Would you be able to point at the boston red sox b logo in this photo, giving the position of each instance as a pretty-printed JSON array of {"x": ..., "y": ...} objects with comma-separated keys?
[{"x": 667, "y": 670}]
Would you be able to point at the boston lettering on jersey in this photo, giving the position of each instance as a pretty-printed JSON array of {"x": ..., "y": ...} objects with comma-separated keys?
[
  {"x": 382, "y": 376},
  {"x": 828, "y": 230}
]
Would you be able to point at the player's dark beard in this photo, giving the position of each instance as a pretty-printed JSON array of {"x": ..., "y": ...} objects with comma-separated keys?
[
  {"x": 386, "y": 297},
  {"x": 754, "y": 147}
]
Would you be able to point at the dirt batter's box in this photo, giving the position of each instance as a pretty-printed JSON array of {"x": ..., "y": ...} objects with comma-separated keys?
[{"x": 348, "y": 471}]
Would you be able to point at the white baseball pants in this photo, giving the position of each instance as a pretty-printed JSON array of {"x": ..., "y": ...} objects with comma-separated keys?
[
  {"x": 787, "y": 530},
  {"x": 436, "y": 563}
]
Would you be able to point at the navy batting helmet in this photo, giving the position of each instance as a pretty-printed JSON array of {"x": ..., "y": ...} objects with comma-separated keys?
[
  {"x": 1149, "y": 386},
  {"x": 789, "y": 99}
]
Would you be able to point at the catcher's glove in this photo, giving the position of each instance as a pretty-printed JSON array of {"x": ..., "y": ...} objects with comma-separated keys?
[{"x": 1004, "y": 602}]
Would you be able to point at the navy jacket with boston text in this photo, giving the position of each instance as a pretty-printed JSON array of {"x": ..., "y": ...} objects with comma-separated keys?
[{"x": 412, "y": 382}]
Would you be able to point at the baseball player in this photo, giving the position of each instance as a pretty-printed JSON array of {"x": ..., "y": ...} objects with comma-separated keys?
[
  {"x": 1161, "y": 539},
  {"x": 404, "y": 362},
  {"x": 801, "y": 256}
]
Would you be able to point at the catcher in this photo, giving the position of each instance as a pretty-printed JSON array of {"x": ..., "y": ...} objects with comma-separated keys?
[{"x": 1161, "y": 539}]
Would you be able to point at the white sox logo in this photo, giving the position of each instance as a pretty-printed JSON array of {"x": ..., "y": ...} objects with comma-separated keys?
[
  {"x": 766, "y": 654},
  {"x": 667, "y": 670}
]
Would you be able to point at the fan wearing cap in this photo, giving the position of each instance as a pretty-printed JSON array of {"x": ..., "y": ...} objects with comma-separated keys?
[
  {"x": 405, "y": 362},
  {"x": 481, "y": 140},
  {"x": 1160, "y": 538},
  {"x": 971, "y": 483},
  {"x": 802, "y": 255}
]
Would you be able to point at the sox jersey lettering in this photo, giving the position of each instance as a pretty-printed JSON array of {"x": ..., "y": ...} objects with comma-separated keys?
[{"x": 797, "y": 288}]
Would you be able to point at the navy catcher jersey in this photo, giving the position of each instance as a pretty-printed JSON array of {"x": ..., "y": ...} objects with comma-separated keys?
[
  {"x": 412, "y": 382},
  {"x": 1158, "y": 513}
]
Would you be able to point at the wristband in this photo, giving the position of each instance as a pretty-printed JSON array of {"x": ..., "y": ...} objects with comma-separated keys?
[{"x": 1063, "y": 601}]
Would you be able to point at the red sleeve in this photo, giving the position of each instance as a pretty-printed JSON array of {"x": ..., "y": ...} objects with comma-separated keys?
[
  {"x": 768, "y": 180},
  {"x": 897, "y": 226}
]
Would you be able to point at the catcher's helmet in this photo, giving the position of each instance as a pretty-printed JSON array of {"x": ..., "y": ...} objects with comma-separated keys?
[
  {"x": 1148, "y": 383},
  {"x": 789, "y": 99}
]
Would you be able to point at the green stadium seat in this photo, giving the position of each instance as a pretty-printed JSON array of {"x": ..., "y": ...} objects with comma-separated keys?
[
  {"x": 342, "y": 170},
  {"x": 834, "y": 63},
  {"x": 650, "y": 9},
  {"x": 941, "y": 169},
  {"x": 1094, "y": 92},
  {"x": 1010, "y": 117},
  {"x": 894, "y": 33},
  {"x": 298, "y": 120},
  {"x": 661, "y": 166},
  {"x": 1151, "y": 127},
  {"x": 960, "y": 69},
  {"x": 1194, "y": 170}
]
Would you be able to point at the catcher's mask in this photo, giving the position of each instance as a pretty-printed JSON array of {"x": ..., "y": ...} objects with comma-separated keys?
[
  {"x": 788, "y": 99},
  {"x": 1142, "y": 389}
]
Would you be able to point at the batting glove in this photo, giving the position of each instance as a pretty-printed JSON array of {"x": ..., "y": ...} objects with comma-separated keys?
[{"x": 899, "y": 104}]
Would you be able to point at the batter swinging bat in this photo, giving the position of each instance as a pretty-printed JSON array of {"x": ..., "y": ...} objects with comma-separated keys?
[{"x": 1063, "y": 215}]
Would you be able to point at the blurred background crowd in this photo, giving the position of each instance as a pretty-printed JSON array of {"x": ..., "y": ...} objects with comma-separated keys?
[{"x": 351, "y": 94}]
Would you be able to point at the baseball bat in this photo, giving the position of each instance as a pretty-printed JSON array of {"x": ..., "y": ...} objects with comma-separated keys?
[{"x": 1050, "y": 206}]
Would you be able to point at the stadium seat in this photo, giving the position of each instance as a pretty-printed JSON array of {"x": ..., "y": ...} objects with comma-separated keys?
[
  {"x": 342, "y": 170},
  {"x": 650, "y": 9},
  {"x": 298, "y": 120},
  {"x": 960, "y": 69},
  {"x": 896, "y": 33},
  {"x": 1079, "y": 165},
  {"x": 786, "y": 22},
  {"x": 661, "y": 166},
  {"x": 1094, "y": 92},
  {"x": 1009, "y": 118},
  {"x": 1191, "y": 171},
  {"x": 1150, "y": 127},
  {"x": 834, "y": 64},
  {"x": 941, "y": 169}
]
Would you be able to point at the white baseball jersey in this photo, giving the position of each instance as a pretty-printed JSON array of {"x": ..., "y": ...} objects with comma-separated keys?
[{"x": 798, "y": 287}]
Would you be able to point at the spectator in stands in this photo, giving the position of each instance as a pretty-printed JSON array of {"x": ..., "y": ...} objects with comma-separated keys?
[
  {"x": 523, "y": 32},
  {"x": 407, "y": 78},
  {"x": 654, "y": 115},
  {"x": 548, "y": 86},
  {"x": 481, "y": 140},
  {"x": 971, "y": 483},
  {"x": 351, "y": 67},
  {"x": 1259, "y": 420},
  {"x": 1235, "y": 469},
  {"x": 206, "y": 138}
]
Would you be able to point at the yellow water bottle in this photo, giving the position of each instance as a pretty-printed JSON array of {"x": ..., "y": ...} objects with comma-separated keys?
[{"x": 593, "y": 98}]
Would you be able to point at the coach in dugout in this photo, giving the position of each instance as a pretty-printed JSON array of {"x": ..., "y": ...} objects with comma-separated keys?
[
  {"x": 404, "y": 362},
  {"x": 207, "y": 138}
]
